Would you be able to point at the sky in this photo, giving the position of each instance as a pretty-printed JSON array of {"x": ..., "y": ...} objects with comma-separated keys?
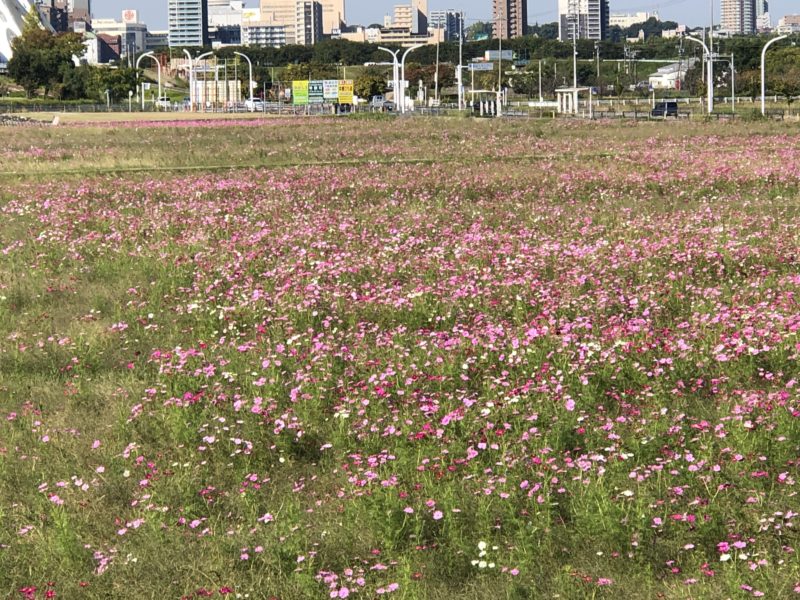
[{"x": 364, "y": 12}]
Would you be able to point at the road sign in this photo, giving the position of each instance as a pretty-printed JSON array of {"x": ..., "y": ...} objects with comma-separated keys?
[
  {"x": 487, "y": 66},
  {"x": 497, "y": 54}
]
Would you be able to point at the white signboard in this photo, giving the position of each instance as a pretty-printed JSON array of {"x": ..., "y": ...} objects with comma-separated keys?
[{"x": 330, "y": 89}]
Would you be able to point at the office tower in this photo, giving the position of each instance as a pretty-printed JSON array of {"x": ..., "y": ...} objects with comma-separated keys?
[
  {"x": 413, "y": 17},
  {"x": 449, "y": 20},
  {"x": 510, "y": 18},
  {"x": 738, "y": 16},
  {"x": 225, "y": 22},
  {"x": 308, "y": 22},
  {"x": 284, "y": 12},
  {"x": 53, "y": 13},
  {"x": 81, "y": 11},
  {"x": 333, "y": 17},
  {"x": 583, "y": 19},
  {"x": 188, "y": 23}
]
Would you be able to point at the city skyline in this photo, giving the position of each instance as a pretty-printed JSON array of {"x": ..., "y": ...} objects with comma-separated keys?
[{"x": 366, "y": 12}]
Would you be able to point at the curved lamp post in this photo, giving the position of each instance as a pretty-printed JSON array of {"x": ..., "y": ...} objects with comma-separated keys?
[
  {"x": 763, "y": 70},
  {"x": 191, "y": 84},
  {"x": 158, "y": 64},
  {"x": 197, "y": 60},
  {"x": 395, "y": 70},
  {"x": 250, "y": 82},
  {"x": 403, "y": 76},
  {"x": 709, "y": 74}
]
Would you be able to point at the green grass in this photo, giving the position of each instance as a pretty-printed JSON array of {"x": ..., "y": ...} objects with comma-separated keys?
[{"x": 285, "y": 332}]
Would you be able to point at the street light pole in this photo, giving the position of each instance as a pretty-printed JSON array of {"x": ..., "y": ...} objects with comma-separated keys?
[
  {"x": 395, "y": 69},
  {"x": 249, "y": 83},
  {"x": 597, "y": 53},
  {"x": 763, "y": 69},
  {"x": 403, "y": 75},
  {"x": 158, "y": 64},
  {"x": 459, "y": 79},
  {"x": 191, "y": 85},
  {"x": 541, "y": 98},
  {"x": 436, "y": 73},
  {"x": 709, "y": 74},
  {"x": 205, "y": 77}
]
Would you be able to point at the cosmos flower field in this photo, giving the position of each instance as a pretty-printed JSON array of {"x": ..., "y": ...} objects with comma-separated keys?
[{"x": 400, "y": 359}]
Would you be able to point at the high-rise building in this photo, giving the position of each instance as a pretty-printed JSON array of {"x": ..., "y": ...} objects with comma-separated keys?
[
  {"x": 449, "y": 20},
  {"x": 413, "y": 17},
  {"x": 132, "y": 33},
  {"x": 625, "y": 20},
  {"x": 225, "y": 22},
  {"x": 333, "y": 17},
  {"x": 308, "y": 22},
  {"x": 188, "y": 23},
  {"x": 81, "y": 10},
  {"x": 738, "y": 16},
  {"x": 285, "y": 12},
  {"x": 788, "y": 25},
  {"x": 55, "y": 14},
  {"x": 509, "y": 18},
  {"x": 763, "y": 20},
  {"x": 281, "y": 22},
  {"x": 583, "y": 19}
]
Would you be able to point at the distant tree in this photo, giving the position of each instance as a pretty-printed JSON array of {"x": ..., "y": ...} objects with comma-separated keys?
[
  {"x": 369, "y": 84},
  {"x": 479, "y": 29},
  {"x": 76, "y": 83},
  {"x": 546, "y": 31},
  {"x": 748, "y": 83},
  {"x": 784, "y": 73},
  {"x": 118, "y": 82},
  {"x": 40, "y": 58},
  {"x": 788, "y": 84},
  {"x": 323, "y": 71},
  {"x": 652, "y": 27},
  {"x": 427, "y": 73},
  {"x": 295, "y": 72},
  {"x": 693, "y": 81},
  {"x": 296, "y": 54}
]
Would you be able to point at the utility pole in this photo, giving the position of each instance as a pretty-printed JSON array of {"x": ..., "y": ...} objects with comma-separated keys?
[
  {"x": 436, "y": 74},
  {"x": 597, "y": 53},
  {"x": 460, "y": 62},
  {"x": 541, "y": 98}
]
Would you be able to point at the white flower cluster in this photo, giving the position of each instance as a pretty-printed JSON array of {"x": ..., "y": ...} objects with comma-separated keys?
[{"x": 481, "y": 561}]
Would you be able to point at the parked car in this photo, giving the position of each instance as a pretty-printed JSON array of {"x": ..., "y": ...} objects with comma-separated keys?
[
  {"x": 254, "y": 105},
  {"x": 164, "y": 102},
  {"x": 665, "y": 109},
  {"x": 381, "y": 103}
]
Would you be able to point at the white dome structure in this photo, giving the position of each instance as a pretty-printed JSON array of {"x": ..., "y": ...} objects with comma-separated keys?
[{"x": 12, "y": 19}]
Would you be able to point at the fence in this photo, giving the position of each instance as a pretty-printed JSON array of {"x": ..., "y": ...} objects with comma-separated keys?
[{"x": 636, "y": 109}]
